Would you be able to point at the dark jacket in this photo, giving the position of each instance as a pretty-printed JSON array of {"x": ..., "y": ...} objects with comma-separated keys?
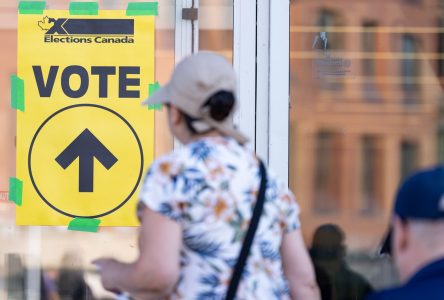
[{"x": 428, "y": 283}]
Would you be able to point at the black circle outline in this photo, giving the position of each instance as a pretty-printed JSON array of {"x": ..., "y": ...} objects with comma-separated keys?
[{"x": 71, "y": 107}]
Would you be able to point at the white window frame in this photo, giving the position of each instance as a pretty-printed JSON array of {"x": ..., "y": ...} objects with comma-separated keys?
[
  {"x": 244, "y": 62},
  {"x": 262, "y": 61},
  {"x": 183, "y": 35},
  {"x": 183, "y": 31},
  {"x": 279, "y": 94}
]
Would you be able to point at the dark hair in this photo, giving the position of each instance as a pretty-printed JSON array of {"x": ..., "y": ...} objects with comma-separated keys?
[{"x": 220, "y": 104}]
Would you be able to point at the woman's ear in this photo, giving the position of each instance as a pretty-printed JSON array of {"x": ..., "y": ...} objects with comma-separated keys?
[
  {"x": 400, "y": 238},
  {"x": 175, "y": 115}
]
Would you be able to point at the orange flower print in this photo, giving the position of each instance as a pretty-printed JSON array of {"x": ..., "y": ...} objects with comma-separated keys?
[
  {"x": 165, "y": 168},
  {"x": 216, "y": 172},
  {"x": 220, "y": 207},
  {"x": 286, "y": 198}
]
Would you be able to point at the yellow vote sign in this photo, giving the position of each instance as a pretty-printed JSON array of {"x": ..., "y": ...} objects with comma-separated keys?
[{"x": 83, "y": 139}]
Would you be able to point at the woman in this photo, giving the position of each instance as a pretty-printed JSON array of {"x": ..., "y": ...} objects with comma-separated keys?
[{"x": 196, "y": 204}]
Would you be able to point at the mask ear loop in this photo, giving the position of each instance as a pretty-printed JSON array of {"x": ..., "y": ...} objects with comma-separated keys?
[{"x": 199, "y": 125}]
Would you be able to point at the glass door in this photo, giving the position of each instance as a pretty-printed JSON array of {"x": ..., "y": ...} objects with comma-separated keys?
[{"x": 53, "y": 257}]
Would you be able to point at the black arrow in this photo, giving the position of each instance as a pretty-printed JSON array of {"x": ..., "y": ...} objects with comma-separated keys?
[{"x": 86, "y": 146}]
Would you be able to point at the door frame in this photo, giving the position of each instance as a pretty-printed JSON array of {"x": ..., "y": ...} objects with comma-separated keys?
[{"x": 261, "y": 58}]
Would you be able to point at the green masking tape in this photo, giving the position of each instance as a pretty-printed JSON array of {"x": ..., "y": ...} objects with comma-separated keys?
[
  {"x": 154, "y": 106},
  {"x": 31, "y": 7},
  {"x": 84, "y": 8},
  {"x": 15, "y": 191},
  {"x": 142, "y": 9},
  {"x": 153, "y": 87},
  {"x": 84, "y": 224},
  {"x": 17, "y": 93}
]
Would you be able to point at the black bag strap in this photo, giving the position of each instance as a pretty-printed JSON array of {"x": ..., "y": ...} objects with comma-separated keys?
[{"x": 249, "y": 237}]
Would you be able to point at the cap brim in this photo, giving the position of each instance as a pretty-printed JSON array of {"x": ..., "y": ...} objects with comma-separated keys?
[
  {"x": 386, "y": 245},
  {"x": 161, "y": 96}
]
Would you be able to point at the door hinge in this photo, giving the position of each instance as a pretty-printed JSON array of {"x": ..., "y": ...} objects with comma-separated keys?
[{"x": 190, "y": 14}]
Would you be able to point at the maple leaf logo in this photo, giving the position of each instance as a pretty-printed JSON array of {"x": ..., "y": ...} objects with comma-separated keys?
[{"x": 45, "y": 24}]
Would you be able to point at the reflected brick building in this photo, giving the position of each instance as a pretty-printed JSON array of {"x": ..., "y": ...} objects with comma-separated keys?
[{"x": 356, "y": 132}]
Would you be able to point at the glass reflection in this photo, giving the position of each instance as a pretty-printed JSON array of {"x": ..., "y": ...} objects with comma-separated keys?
[{"x": 366, "y": 111}]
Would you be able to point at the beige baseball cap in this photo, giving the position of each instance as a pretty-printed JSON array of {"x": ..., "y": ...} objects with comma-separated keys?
[{"x": 194, "y": 80}]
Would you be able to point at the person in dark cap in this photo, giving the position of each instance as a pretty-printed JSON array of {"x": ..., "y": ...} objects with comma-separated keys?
[
  {"x": 416, "y": 238},
  {"x": 328, "y": 253}
]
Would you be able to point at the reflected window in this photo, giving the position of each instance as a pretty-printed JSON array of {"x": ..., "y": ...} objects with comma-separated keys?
[
  {"x": 410, "y": 69},
  {"x": 15, "y": 276},
  {"x": 440, "y": 49},
  {"x": 370, "y": 89},
  {"x": 369, "y": 46},
  {"x": 371, "y": 174},
  {"x": 413, "y": 2},
  {"x": 328, "y": 169},
  {"x": 409, "y": 158}
]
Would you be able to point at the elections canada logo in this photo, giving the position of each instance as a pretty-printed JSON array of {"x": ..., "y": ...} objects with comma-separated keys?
[{"x": 87, "y": 31}]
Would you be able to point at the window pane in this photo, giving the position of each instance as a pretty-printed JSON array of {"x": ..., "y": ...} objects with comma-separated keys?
[
  {"x": 327, "y": 194},
  {"x": 216, "y": 27},
  {"x": 371, "y": 175},
  {"x": 53, "y": 257},
  {"x": 366, "y": 110},
  {"x": 39, "y": 260},
  {"x": 409, "y": 158},
  {"x": 410, "y": 69}
]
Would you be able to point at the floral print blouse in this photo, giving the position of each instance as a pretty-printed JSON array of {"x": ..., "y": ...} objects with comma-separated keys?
[{"x": 209, "y": 187}]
